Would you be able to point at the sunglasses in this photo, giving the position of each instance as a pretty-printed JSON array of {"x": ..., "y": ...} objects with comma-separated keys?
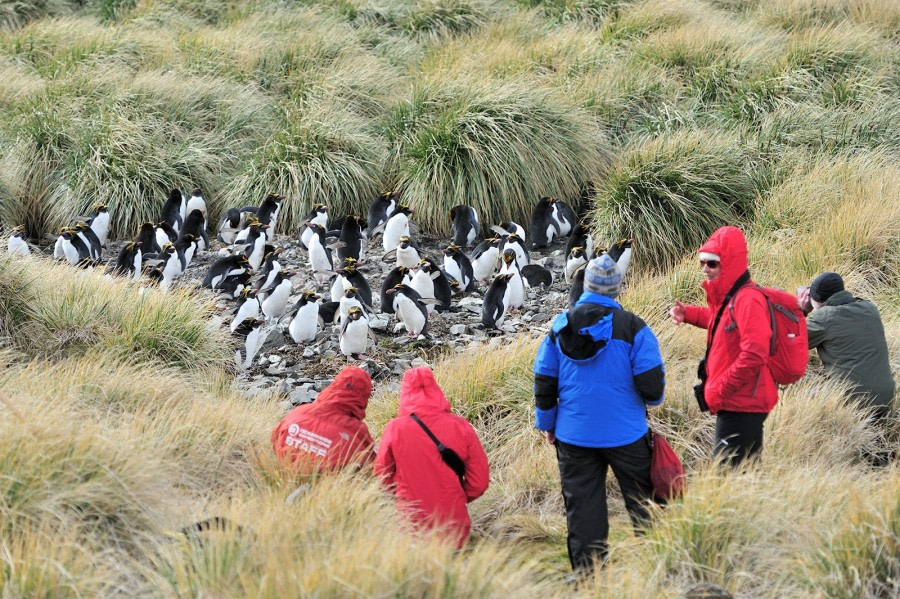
[{"x": 710, "y": 263}]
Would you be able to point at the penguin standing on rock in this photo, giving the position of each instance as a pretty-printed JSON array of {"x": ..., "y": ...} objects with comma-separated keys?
[
  {"x": 406, "y": 253},
  {"x": 185, "y": 247},
  {"x": 397, "y": 226},
  {"x": 409, "y": 309},
  {"x": 543, "y": 225},
  {"x": 269, "y": 269},
  {"x": 515, "y": 286},
  {"x": 319, "y": 255},
  {"x": 458, "y": 268},
  {"x": 230, "y": 225},
  {"x": 348, "y": 300},
  {"x": 381, "y": 209},
  {"x": 484, "y": 258},
  {"x": 165, "y": 233},
  {"x": 494, "y": 308},
  {"x": 465, "y": 225},
  {"x": 398, "y": 276},
  {"x": 250, "y": 330},
  {"x": 275, "y": 304},
  {"x": 354, "y": 336},
  {"x": 318, "y": 216},
  {"x": 305, "y": 323},
  {"x": 352, "y": 239},
  {"x": 247, "y": 307}
]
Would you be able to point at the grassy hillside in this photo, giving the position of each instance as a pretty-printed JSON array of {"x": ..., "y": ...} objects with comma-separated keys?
[{"x": 669, "y": 117}]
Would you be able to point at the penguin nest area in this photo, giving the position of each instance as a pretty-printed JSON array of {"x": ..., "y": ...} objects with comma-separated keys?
[{"x": 390, "y": 351}]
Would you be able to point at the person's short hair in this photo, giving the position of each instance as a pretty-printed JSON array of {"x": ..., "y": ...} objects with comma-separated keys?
[
  {"x": 825, "y": 285},
  {"x": 603, "y": 276}
]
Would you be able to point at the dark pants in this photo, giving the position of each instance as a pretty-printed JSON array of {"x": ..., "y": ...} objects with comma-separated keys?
[
  {"x": 583, "y": 474},
  {"x": 739, "y": 435}
]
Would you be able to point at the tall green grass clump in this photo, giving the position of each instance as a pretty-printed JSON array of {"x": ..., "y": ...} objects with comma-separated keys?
[
  {"x": 670, "y": 193},
  {"x": 495, "y": 146},
  {"x": 434, "y": 19},
  {"x": 320, "y": 154},
  {"x": 69, "y": 312},
  {"x": 125, "y": 141},
  {"x": 17, "y": 13}
]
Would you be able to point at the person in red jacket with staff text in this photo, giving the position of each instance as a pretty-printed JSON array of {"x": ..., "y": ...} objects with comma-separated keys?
[
  {"x": 432, "y": 493},
  {"x": 329, "y": 433},
  {"x": 736, "y": 384}
]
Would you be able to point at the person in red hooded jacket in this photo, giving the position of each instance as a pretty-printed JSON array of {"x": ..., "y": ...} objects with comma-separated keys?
[
  {"x": 329, "y": 433},
  {"x": 736, "y": 386},
  {"x": 410, "y": 464}
]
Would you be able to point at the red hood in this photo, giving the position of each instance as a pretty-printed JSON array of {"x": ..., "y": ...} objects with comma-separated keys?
[
  {"x": 419, "y": 393},
  {"x": 347, "y": 394},
  {"x": 730, "y": 245}
]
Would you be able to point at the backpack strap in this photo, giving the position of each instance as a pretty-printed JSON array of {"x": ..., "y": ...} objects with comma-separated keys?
[
  {"x": 456, "y": 465},
  {"x": 742, "y": 280},
  {"x": 772, "y": 307}
]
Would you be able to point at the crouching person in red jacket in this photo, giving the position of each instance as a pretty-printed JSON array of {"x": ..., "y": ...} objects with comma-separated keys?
[
  {"x": 329, "y": 433},
  {"x": 428, "y": 490}
]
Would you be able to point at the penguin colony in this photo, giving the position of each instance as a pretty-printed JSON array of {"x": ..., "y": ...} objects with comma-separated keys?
[{"x": 337, "y": 297}]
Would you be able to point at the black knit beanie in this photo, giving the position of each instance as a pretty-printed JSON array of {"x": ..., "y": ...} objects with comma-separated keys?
[{"x": 826, "y": 285}]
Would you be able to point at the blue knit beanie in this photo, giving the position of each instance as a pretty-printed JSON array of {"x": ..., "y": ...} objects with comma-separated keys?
[{"x": 603, "y": 276}]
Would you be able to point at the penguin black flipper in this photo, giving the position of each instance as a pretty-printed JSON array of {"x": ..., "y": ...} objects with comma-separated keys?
[
  {"x": 171, "y": 210},
  {"x": 541, "y": 223}
]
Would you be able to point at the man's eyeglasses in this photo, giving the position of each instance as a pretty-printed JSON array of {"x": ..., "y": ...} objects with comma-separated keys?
[{"x": 710, "y": 263}]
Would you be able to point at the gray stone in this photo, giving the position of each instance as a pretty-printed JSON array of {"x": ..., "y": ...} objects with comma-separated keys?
[
  {"x": 540, "y": 318},
  {"x": 303, "y": 395},
  {"x": 458, "y": 329},
  {"x": 418, "y": 363}
]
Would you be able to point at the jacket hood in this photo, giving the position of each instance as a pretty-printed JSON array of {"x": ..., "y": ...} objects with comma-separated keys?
[
  {"x": 347, "y": 394},
  {"x": 730, "y": 245},
  {"x": 419, "y": 393}
]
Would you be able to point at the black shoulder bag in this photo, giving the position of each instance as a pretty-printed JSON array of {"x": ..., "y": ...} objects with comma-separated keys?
[
  {"x": 450, "y": 457},
  {"x": 700, "y": 389}
]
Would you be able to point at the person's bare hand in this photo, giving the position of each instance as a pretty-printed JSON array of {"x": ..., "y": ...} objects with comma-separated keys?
[
  {"x": 551, "y": 437},
  {"x": 676, "y": 313}
]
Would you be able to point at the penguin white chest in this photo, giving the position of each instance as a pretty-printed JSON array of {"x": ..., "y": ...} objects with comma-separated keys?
[
  {"x": 274, "y": 305},
  {"x": 410, "y": 315},
  {"x": 452, "y": 268},
  {"x": 305, "y": 325},
  {"x": 355, "y": 336},
  {"x": 423, "y": 283},
  {"x": 397, "y": 226},
  {"x": 247, "y": 309}
]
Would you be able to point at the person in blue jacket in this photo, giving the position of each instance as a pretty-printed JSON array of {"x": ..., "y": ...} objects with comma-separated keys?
[{"x": 595, "y": 373}]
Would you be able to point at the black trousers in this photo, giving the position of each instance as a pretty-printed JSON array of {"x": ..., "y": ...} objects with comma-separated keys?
[
  {"x": 583, "y": 474},
  {"x": 739, "y": 435}
]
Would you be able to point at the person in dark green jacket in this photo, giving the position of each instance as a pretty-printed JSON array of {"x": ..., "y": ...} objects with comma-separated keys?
[{"x": 848, "y": 334}]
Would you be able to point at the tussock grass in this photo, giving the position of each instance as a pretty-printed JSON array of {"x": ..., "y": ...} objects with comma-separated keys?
[
  {"x": 496, "y": 147},
  {"x": 670, "y": 193},
  {"x": 804, "y": 14},
  {"x": 69, "y": 312},
  {"x": 860, "y": 556},
  {"x": 321, "y": 154},
  {"x": 16, "y": 13}
]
